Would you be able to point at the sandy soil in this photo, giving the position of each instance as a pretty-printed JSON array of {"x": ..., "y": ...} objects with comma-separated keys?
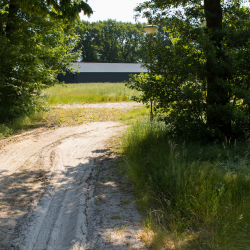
[{"x": 59, "y": 190}]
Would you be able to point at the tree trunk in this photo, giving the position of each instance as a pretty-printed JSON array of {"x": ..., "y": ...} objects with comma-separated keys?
[
  {"x": 12, "y": 18},
  {"x": 218, "y": 113}
]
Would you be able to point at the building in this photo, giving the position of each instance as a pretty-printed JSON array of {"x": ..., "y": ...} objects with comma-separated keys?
[{"x": 101, "y": 72}]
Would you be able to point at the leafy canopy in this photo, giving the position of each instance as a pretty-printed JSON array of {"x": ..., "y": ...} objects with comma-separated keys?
[
  {"x": 200, "y": 81},
  {"x": 110, "y": 41},
  {"x": 36, "y": 43}
]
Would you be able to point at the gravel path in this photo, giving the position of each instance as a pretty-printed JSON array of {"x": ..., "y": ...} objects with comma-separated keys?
[{"x": 59, "y": 190}]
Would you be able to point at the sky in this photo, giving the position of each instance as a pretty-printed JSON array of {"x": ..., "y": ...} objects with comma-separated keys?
[{"x": 121, "y": 10}]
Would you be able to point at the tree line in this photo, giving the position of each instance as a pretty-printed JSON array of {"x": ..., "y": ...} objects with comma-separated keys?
[{"x": 113, "y": 42}]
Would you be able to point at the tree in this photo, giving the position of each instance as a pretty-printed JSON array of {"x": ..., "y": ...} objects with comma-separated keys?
[
  {"x": 36, "y": 44},
  {"x": 197, "y": 78},
  {"x": 109, "y": 41},
  {"x": 89, "y": 41},
  {"x": 130, "y": 38}
]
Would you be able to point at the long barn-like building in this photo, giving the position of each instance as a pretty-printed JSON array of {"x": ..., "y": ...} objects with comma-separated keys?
[{"x": 101, "y": 72}]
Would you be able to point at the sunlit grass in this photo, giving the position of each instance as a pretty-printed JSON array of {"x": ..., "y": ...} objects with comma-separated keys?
[
  {"x": 79, "y": 94},
  {"x": 70, "y": 117},
  {"x": 194, "y": 196},
  {"x": 60, "y": 117},
  {"x": 88, "y": 93},
  {"x": 135, "y": 114},
  {"x": 77, "y": 116}
]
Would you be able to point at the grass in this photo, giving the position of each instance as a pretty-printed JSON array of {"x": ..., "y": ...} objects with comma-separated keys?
[
  {"x": 135, "y": 114},
  {"x": 57, "y": 117},
  {"x": 77, "y": 93},
  {"x": 194, "y": 196},
  {"x": 21, "y": 124},
  {"x": 88, "y": 93}
]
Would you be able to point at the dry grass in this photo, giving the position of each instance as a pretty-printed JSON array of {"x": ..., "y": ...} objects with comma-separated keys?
[{"x": 77, "y": 116}]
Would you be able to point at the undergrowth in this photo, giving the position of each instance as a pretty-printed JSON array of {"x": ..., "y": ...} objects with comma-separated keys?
[{"x": 195, "y": 196}]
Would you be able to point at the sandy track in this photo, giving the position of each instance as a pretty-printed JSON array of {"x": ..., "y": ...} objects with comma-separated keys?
[{"x": 60, "y": 190}]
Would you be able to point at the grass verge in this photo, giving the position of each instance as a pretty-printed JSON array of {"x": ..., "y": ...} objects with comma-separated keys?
[
  {"x": 88, "y": 93},
  {"x": 70, "y": 117},
  {"x": 24, "y": 123},
  {"x": 194, "y": 196}
]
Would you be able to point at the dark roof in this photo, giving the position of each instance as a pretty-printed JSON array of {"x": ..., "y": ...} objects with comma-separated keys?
[{"x": 109, "y": 67}]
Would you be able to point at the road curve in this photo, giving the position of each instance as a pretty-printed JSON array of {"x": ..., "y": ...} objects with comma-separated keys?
[{"x": 72, "y": 213}]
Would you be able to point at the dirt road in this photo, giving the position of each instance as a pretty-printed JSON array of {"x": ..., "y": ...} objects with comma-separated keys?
[{"x": 59, "y": 190}]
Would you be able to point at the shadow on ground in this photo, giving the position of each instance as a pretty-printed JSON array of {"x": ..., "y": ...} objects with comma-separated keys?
[{"x": 112, "y": 219}]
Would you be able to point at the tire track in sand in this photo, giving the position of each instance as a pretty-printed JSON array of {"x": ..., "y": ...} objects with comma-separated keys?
[{"x": 64, "y": 218}]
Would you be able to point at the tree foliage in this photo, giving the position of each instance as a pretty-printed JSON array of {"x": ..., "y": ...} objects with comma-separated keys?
[
  {"x": 36, "y": 44},
  {"x": 201, "y": 80},
  {"x": 114, "y": 42},
  {"x": 110, "y": 41}
]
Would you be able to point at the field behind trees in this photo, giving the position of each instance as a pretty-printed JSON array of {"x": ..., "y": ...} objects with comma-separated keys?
[
  {"x": 75, "y": 97},
  {"x": 88, "y": 93}
]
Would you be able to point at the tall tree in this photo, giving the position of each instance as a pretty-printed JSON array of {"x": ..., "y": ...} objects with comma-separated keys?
[
  {"x": 109, "y": 46},
  {"x": 130, "y": 38},
  {"x": 36, "y": 40},
  {"x": 218, "y": 92},
  {"x": 201, "y": 78}
]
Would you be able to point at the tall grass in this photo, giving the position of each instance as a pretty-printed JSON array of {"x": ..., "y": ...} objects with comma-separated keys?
[
  {"x": 24, "y": 123},
  {"x": 195, "y": 196},
  {"x": 88, "y": 93}
]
